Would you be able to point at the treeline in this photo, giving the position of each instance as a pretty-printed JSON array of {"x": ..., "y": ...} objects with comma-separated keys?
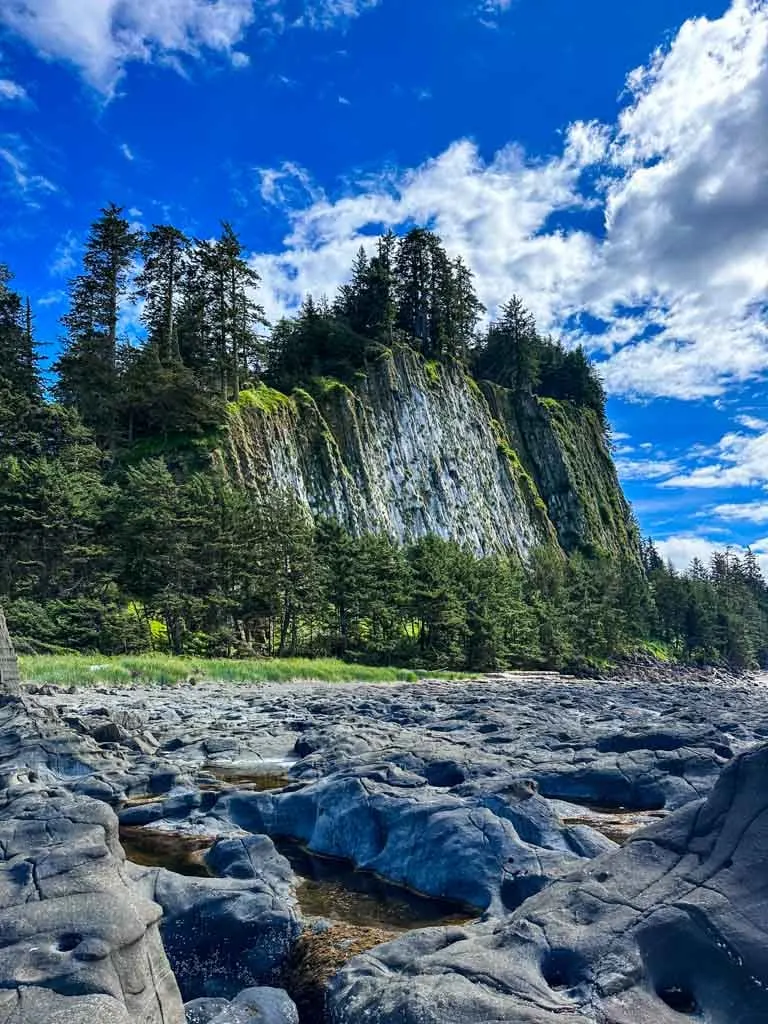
[
  {"x": 205, "y": 335},
  {"x": 710, "y": 613},
  {"x": 108, "y": 542}
]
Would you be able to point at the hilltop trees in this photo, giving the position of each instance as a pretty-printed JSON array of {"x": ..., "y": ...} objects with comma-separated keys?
[
  {"x": 196, "y": 301},
  {"x": 120, "y": 530},
  {"x": 202, "y": 326}
]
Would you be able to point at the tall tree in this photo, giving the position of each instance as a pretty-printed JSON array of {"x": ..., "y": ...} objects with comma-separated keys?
[
  {"x": 237, "y": 315},
  {"x": 20, "y": 389},
  {"x": 162, "y": 249},
  {"x": 87, "y": 369}
]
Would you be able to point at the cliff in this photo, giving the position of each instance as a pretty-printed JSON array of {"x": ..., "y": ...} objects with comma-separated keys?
[{"x": 415, "y": 447}]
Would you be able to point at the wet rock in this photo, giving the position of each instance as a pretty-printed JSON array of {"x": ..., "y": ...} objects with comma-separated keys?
[
  {"x": 203, "y": 1011},
  {"x": 259, "y": 1006},
  {"x": 674, "y": 925},
  {"x": 393, "y": 823},
  {"x": 222, "y": 935}
]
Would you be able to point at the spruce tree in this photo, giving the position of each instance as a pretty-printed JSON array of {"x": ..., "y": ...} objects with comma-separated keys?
[
  {"x": 162, "y": 249},
  {"x": 87, "y": 369}
]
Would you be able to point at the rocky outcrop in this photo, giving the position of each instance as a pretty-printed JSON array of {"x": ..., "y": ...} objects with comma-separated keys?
[
  {"x": 77, "y": 941},
  {"x": 671, "y": 927},
  {"x": 10, "y": 681},
  {"x": 481, "y": 853},
  {"x": 414, "y": 448}
]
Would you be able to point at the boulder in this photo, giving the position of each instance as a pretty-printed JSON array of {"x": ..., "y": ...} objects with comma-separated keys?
[
  {"x": 222, "y": 935},
  {"x": 78, "y": 942},
  {"x": 259, "y": 1006},
  {"x": 673, "y": 926}
]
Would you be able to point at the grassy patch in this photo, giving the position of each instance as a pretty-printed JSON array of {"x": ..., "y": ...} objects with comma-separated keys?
[
  {"x": 329, "y": 385},
  {"x": 267, "y": 399},
  {"x": 97, "y": 670}
]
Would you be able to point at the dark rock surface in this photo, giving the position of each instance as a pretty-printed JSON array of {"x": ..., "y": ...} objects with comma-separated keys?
[
  {"x": 484, "y": 792},
  {"x": 673, "y": 925},
  {"x": 78, "y": 943},
  {"x": 224, "y": 934}
]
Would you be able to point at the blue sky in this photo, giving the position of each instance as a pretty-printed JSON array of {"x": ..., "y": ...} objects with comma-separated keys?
[{"x": 607, "y": 161}]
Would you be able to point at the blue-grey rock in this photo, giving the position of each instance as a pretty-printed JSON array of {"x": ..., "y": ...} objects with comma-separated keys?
[{"x": 673, "y": 926}]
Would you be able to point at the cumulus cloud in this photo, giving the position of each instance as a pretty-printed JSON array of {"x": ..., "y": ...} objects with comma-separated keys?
[
  {"x": 100, "y": 37},
  {"x": 739, "y": 459},
  {"x": 670, "y": 295},
  {"x": 681, "y": 550},
  {"x": 747, "y": 512}
]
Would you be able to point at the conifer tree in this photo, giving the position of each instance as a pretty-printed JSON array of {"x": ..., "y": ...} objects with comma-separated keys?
[
  {"x": 87, "y": 369},
  {"x": 163, "y": 250}
]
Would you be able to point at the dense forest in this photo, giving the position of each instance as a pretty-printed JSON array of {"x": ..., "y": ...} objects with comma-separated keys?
[{"x": 119, "y": 534}]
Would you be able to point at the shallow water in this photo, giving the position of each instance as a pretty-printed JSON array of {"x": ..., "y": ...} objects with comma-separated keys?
[
  {"x": 333, "y": 889},
  {"x": 616, "y": 823},
  {"x": 259, "y": 776},
  {"x": 152, "y": 848}
]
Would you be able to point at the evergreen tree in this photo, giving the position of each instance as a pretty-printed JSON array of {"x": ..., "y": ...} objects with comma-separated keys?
[
  {"x": 87, "y": 369},
  {"x": 20, "y": 389},
  {"x": 163, "y": 251}
]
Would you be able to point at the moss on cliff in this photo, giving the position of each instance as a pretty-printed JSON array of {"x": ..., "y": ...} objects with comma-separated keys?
[
  {"x": 411, "y": 448},
  {"x": 266, "y": 399}
]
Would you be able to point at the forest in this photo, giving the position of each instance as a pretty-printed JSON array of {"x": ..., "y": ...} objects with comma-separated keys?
[{"x": 119, "y": 534}]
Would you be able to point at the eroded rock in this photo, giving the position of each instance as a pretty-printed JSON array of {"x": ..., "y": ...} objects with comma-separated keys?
[{"x": 673, "y": 925}]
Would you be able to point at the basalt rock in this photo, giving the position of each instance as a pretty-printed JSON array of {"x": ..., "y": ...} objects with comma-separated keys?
[
  {"x": 77, "y": 941},
  {"x": 673, "y": 926},
  {"x": 225, "y": 934}
]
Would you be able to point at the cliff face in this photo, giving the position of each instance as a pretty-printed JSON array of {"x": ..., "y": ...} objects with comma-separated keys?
[{"x": 414, "y": 448}]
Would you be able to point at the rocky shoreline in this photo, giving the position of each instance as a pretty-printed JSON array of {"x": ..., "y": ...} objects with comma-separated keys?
[
  {"x": 649, "y": 669},
  {"x": 599, "y": 847}
]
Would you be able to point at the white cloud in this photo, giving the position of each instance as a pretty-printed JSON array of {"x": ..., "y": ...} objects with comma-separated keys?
[
  {"x": 100, "y": 37},
  {"x": 54, "y": 298},
  {"x": 23, "y": 183},
  {"x": 748, "y": 512},
  {"x": 127, "y": 152},
  {"x": 682, "y": 549},
  {"x": 489, "y": 212},
  {"x": 64, "y": 259},
  {"x": 740, "y": 460},
  {"x": 681, "y": 274},
  {"x": 10, "y": 91},
  {"x": 646, "y": 469}
]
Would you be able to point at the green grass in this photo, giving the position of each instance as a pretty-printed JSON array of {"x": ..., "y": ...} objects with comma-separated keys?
[
  {"x": 261, "y": 397},
  {"x": 97, "y": 670}
]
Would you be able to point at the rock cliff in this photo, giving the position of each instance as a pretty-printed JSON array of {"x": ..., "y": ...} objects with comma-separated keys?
[{"x": 415, "y": 447}]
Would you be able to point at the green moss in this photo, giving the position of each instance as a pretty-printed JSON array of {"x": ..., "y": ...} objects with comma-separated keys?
[
  {"x": 519, "y": 472},
  {"x": 551, "y": 403},
  {"x": 329, "y": 385},
  {"x": 590, "y": 470},
  {"x": 432, "y": 370},
  {"x": 303, "y": 398},
  {"x": 266, "y": 399},
  {"x": 473, "y": 386}
]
